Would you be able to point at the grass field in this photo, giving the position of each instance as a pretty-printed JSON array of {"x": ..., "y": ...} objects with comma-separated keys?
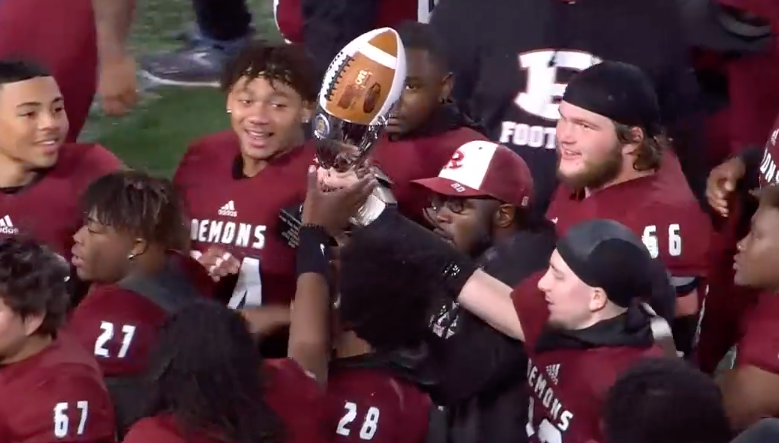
[{"x": 154, "y": 136}]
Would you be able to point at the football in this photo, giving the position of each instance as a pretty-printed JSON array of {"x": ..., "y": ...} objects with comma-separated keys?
[{"x": 366, "y": 78}]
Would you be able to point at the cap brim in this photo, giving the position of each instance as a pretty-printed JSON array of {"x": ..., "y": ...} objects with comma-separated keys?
[
  {"x": 451, "y": 188},
  {"x": 764, "y": 431}
]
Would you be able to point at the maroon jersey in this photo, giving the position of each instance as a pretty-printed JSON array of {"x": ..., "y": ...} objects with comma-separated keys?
[
  {"x": 768, "y": 173},
  {"x": 726, "y": 303},
  {"x": 47, "y": 210},
  {"x": 119, "y": 327},
  {"x": 759, "y": 344},
  {"x": 659, "y": 208},
  {"x": 241, "y": 214},
  {"x": 290, "y": 21},
  {"x": 417, "y": 158},
  {"x": 371, "y": 404},
  {"x": 292, "y": 394},
  {"x": 567, "y": 386},
  {"x": 56, "y": 395}
]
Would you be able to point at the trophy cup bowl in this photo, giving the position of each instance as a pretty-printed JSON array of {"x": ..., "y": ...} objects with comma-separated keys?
[{"x": 360, "y": 89}]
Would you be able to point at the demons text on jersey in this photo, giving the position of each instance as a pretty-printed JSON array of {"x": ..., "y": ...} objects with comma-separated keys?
[
  {"x": 242, "y": 235},
  {"x": 542, "y": 390},
  {"x": 545, "y": 84},
  {"x": 768, "y": 172}
]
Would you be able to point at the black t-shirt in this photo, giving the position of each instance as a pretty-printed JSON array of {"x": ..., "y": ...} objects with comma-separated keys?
[
  {"x": 471, "y": 354},
  {"x": 480, "y": 371},
  {"x": 512, "y": 60}
]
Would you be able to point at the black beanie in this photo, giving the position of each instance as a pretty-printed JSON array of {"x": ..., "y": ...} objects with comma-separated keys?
[
  {"x": 619, "y": 91},
  {"x": 606, "y": 254}
]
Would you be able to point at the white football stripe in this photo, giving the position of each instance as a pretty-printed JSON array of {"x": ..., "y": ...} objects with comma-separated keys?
[{"x": 379, "y": 56}]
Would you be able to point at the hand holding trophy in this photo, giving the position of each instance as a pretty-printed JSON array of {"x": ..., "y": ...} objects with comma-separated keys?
[{"x": 361, "y": 87}]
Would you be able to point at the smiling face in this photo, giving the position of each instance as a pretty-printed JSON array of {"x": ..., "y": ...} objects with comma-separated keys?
[
  {"x": 589, "y": 155},
  {"x": 267, "y": 115},
  {"x": 33, "y": 124}
]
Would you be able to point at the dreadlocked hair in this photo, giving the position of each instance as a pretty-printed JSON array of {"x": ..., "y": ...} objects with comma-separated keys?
[
  {"x": 387, "y": 310},
  {"x": 205, "y": 372},
  {"x": 138, "y": 204},
  {"x": 661, "y": 400},
  {"x": 286, "y": 63}
]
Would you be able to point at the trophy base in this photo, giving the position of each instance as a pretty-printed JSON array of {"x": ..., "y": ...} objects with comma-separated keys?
[{"x": 377, "y": 202}]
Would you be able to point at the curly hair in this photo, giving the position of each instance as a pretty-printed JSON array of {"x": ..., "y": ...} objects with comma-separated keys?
[
  {"x": 206, "y": 372},
  {"x": 33, "y": 281},
  {"x": 138, "y": 204},
  {"x": 649, "y": 154},
  {"x": 662, "y": 399},
  {"x": 387, "y": 310},
  {"x": 286, "y": 63}
]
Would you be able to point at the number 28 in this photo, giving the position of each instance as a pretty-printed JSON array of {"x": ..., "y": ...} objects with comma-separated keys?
[
  {"x": 650, "y": 239},
  {"x": 369, "y": 425}
]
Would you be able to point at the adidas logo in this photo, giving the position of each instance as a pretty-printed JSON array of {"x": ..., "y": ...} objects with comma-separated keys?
[
  {"x": 553, "y": 371},
  {"x": 7, "y": 227},
  {"x": 228, "y": 210}
]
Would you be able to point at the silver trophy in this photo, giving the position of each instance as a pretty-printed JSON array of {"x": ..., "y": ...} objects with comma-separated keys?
[{"x": 360, "y": 89}]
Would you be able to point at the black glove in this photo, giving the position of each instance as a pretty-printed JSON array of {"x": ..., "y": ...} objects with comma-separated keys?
[{"x": 404, "y": 244}]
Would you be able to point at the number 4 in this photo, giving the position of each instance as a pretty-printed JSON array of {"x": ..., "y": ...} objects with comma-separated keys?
[
  {"x": 62, "y": 422},
  {"x": 649, "y": 237}
]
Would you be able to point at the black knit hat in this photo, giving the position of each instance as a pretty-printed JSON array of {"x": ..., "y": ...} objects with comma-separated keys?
[
  {"x": 605, "y": 254},
  {"x": 619, "y": 91}
]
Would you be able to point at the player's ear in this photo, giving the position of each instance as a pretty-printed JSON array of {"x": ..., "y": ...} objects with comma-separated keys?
[
  {"x": 599, "y": 299},
  {"x": 139, "y": 247},
  {"x": 636, "y": 136},
  {"x": 32, "y": 323},
  {"x": 307, "y": 112},
  {"x": 447, "y": 84},
  {"x": 504, "y": 216}
]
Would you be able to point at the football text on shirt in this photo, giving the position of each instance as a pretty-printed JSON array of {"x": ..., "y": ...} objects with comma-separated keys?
[
  {"x": 557, "y": 419},
  {"x": 541, "y": 96}
]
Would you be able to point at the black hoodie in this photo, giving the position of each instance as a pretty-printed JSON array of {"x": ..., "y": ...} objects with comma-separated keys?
[{"x": 512, "y": 60}]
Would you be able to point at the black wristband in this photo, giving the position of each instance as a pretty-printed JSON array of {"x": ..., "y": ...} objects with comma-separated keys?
[
  {"x": 313, "y": 251},
  {"x": 412, "y": 245}
]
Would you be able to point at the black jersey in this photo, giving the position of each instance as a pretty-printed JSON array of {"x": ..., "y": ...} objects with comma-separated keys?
[{"x": 513, "y": 59}]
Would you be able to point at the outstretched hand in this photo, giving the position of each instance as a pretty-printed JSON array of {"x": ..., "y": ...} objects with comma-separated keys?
[{"x": 332, "y": 208}]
